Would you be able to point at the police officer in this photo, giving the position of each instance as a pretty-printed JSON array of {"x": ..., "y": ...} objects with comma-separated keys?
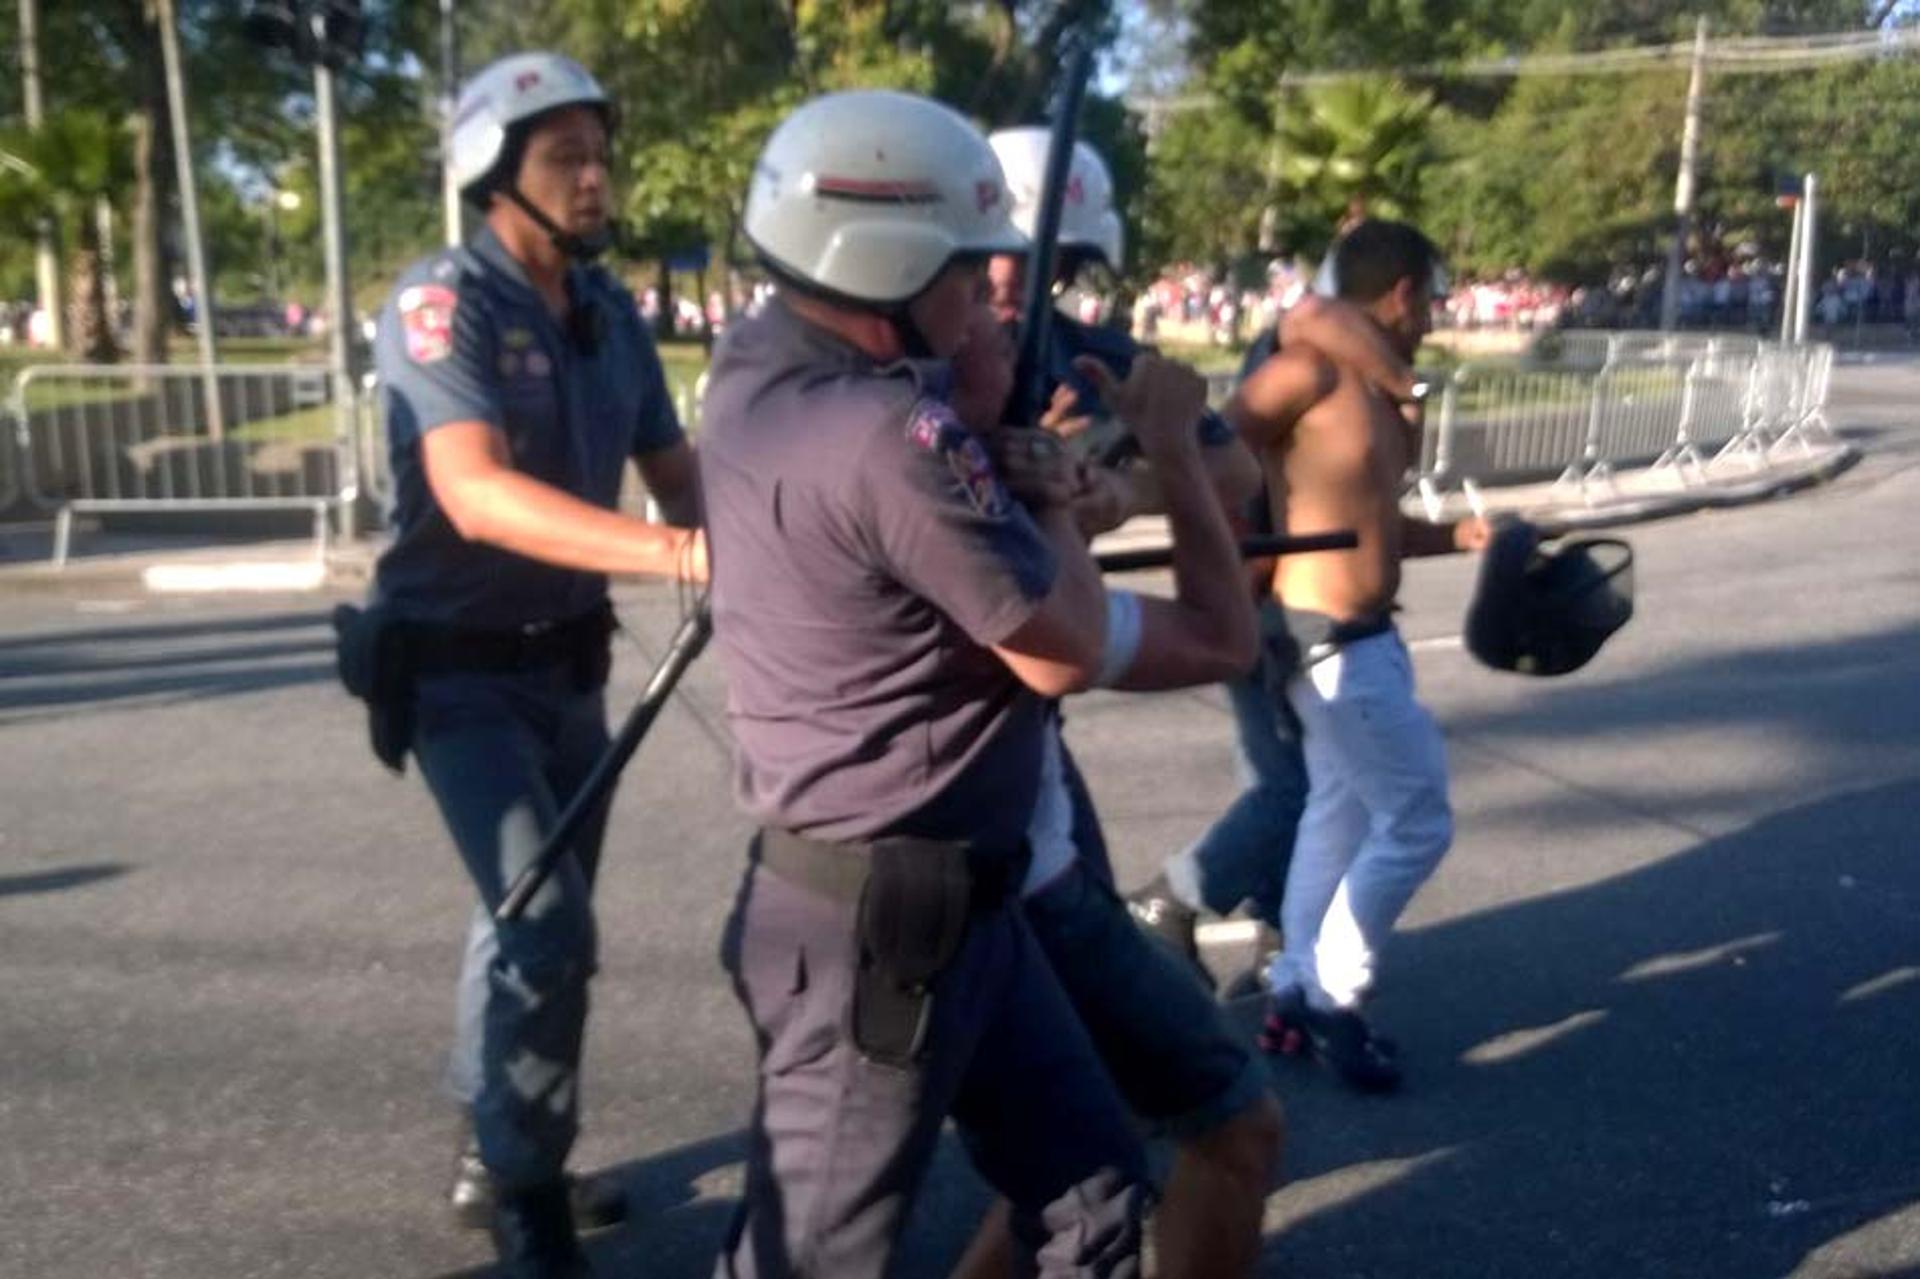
[
  {"x": 519, "y": 381},
  {"x": 892, "y": 622},
  {"x": 1091, "y": 237}
]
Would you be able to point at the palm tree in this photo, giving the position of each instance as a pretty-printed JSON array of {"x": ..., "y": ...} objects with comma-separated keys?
[
  {"x": 1350, "y": 148},
  {"x": 60, "y": 172}
]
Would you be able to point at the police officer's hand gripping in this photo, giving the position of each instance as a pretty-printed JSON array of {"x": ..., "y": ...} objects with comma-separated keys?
[{"x": 519, "y": 381}]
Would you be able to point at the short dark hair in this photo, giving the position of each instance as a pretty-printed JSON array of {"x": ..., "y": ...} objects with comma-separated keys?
[{"x": 1377, "y": 254}]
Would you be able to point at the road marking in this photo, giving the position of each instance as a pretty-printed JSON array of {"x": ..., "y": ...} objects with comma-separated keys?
[
  {"x": 105, "y": 606},
  {"x": 297, "y": 575},
  {"x": 1437, "y": 644}
]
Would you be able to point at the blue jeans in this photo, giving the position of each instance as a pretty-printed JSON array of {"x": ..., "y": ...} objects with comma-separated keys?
[
  {"x": 1245, "y": 854},
  {"x": 502, "y": 755}
]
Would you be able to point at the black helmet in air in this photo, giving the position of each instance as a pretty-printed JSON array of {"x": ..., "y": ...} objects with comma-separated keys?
[{"x": 1541, "y": 610}]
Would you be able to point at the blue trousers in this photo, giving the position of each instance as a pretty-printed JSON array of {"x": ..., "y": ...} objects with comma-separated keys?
[
  {"x": 502, "y": 755},
  {"x": 1245, "y": 854}
]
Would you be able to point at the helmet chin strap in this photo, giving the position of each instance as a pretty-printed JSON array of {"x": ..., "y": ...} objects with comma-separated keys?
[
  {"x": 912, "y": 341},
  {"x": 582, "y": 248}
]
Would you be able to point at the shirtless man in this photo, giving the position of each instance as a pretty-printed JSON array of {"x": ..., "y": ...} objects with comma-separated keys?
[{"x": 1335, "y": 450}]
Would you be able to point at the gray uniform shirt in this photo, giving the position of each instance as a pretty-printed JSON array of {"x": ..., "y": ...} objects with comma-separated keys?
[
  {"x": 865, "y": 558},
  {"x": 466, "y": 337}
]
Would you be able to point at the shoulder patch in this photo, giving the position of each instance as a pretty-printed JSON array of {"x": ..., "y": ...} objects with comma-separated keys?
[
  {"x": 426, "y": 319},
  {"x": 935, "y": 428}
]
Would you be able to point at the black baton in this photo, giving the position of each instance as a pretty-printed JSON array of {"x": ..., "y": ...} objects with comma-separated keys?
[
  {"x": 1253, "y": 548},
  {"x": 687, "y": 644},
  {"x": 1029, "y": 398}
]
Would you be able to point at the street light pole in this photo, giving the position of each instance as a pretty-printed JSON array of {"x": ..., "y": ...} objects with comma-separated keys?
[
  {"x": 449, "y": 95},
  {"x": 1790, "y": 282},
  {"x": 190, "y": 213},
  {"x": 1683, "y": 193},
  {"x": 339, "y": 299},
  {"x": 1809, "y": 248}
]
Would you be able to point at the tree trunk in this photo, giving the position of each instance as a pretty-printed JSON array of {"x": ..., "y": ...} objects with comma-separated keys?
[{"x": 89, "y": 326}]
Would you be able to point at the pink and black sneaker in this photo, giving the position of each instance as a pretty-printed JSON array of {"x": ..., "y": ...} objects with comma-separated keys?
[{"x": 1339, "y": 1038}]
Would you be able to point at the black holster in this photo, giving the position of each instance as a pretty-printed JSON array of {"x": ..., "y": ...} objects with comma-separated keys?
[
  {"x": 376, "y": 666},
  {"x": 914, "y": 900}
]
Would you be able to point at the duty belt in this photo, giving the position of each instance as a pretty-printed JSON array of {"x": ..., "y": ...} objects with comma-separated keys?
[
  {"x": 438, "y": 649},
  {"x": 840, "y": 870}
]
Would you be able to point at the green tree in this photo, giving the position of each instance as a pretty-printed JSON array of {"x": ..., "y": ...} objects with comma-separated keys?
[
  {"x": 59, "y": 173},
  {"x": 1355, "y": 147}
]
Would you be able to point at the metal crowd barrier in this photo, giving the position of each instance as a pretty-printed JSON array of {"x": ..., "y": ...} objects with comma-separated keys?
[
  {"x": 162, "y": 438},
  {"x": 1677, "y": 404},
  {"x": 13, "y": 489}
]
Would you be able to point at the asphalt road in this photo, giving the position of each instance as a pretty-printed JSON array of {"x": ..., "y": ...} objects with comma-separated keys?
[{"x": 1661, "y": 1006}]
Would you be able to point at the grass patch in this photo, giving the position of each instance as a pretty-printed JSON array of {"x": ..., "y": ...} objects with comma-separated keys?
[{"x": 303, "y": 426}]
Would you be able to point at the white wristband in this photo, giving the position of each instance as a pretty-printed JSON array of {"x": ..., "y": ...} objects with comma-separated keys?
[{"x": 1123, "y": 637}]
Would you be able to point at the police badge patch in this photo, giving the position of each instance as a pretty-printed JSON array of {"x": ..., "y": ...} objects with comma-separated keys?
[
  {"x": 934, "y": 427},
  {"x": 426, "y": 320}
]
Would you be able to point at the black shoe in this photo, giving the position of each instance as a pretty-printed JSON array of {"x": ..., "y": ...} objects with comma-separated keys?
[
  {"x": 1169, "y": 921},
  {"x": 533, "y": 1233},
  {"x": 1339, "y": 1038},
  {"x": 597, "y": 1201}
]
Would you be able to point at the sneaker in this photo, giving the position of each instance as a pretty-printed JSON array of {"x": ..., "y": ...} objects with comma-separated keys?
[
  {"x": 597, "y": 1201},
  {"x": 1339, "y": 1038},
  {"x": 533, "y": 1233},
  {"x": 1169, "y": 921}
]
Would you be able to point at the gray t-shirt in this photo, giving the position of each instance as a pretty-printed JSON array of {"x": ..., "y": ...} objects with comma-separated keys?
[{"x": 865, "y": 558}]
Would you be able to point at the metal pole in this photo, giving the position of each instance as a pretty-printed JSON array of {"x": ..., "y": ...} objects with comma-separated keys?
[
  {"x": 190, "y": 213},
  {"x": 1683, "y": 191},
  {"x": 1809, "y": 250},
  {"x": 103, "y": 221},
  {"x": 1790, "y": 280},
  {"x": 46, "y": 265},
  {"x": 339, "y": 301},
  {"x": 449, "y": 95}
]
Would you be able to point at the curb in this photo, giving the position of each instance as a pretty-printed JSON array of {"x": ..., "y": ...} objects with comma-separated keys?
[{"x": 1716, "y": 495}]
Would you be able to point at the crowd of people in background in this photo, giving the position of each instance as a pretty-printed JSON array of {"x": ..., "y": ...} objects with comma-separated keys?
[{"x": 1194, "y": 303}]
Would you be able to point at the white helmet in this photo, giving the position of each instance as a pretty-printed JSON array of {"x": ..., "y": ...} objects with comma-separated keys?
[
  {"x": 1087, "y": 217},
  {"x": 868, "y": 195},
  {"x": 511, "y": 91}
]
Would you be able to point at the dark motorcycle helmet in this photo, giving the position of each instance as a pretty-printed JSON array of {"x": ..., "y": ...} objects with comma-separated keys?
[{"x": 1541, "y": 610}]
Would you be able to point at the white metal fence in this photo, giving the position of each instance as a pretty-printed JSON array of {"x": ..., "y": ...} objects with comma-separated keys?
[
  {"x": 1603, "y": 402},
  {"x": 267, "y": 436},
  {"x": 157, "y": 438}
]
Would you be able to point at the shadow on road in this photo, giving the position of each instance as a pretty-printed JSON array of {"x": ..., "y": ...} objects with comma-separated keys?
[
  {"x": 59, "y": 878},
  {"x": 207, "y": 657},
  {"x": 1701, "y": 1068}
]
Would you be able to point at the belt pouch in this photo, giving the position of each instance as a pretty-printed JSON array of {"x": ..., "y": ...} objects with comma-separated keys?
[{"x": 914, "y": 913}]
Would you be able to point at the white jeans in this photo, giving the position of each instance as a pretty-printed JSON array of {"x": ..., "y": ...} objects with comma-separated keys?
[{"x": 1376, "y": 822}]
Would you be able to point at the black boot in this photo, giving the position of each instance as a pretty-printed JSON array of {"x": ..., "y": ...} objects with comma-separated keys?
[
  {"x": 597, "y": 1201},
  {"x": 533, "y": 1233}
]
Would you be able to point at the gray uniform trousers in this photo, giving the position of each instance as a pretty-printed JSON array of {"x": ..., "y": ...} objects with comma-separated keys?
[
  {"x": 502, "y": 754},
  {"x": 839, "y": 1143}
]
